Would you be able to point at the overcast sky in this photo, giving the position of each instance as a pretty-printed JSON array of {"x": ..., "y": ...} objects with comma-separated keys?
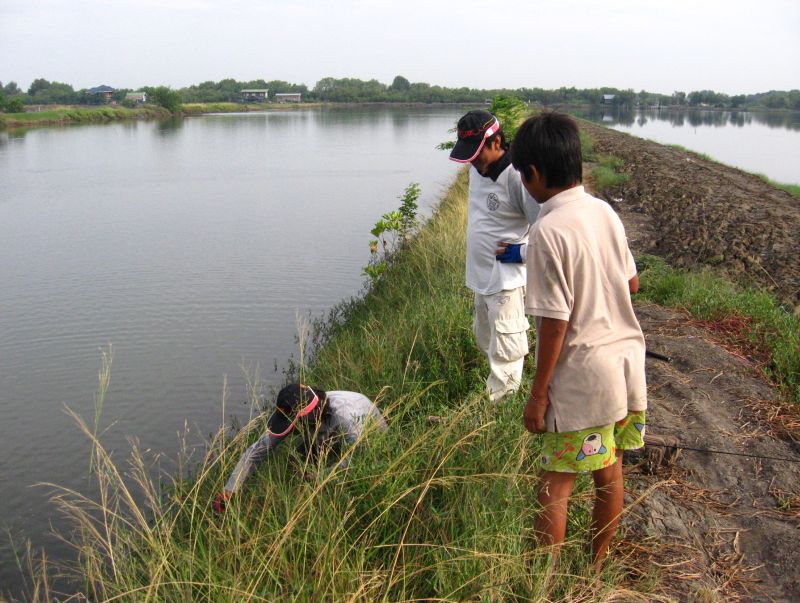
[{"x": 684, "y": 45}]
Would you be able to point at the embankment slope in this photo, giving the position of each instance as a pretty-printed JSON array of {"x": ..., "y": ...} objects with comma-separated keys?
[{"x": 697, "y": 212}]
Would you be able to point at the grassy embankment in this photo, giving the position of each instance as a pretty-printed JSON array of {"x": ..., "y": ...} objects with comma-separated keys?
[
  {"x": 428, "y": 510},
  {"x": 65, "y": 115}
]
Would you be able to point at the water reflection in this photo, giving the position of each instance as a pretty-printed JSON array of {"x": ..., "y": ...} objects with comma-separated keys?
[
  {"x": 169, "y": 127},
  {"x": 679, "y": 117}
]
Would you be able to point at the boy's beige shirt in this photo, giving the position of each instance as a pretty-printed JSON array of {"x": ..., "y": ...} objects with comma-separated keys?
[{"x": 579, "y": 265}]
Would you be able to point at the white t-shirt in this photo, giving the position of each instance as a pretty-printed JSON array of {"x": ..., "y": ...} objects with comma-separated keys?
[
  {"x": 499, "y": 210},
  {"x": 579, "y": 265}
]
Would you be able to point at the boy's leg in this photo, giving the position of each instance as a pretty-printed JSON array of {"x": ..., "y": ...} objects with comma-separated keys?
[
  {"x": 608, "y": 501},
  {"x": 551, "y": 522}
]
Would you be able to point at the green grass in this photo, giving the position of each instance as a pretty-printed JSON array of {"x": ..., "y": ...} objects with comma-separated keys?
[
  {"x": 199, "y": 108},
  {"x": 587, "y": 147},
  {"x": 426, "y": 511},
  {"x": 708, "y": 296},
  {"x": 78, "y": 115},
  {"x": 605, "y": 173},
  {"x": 792, "y": 189}
]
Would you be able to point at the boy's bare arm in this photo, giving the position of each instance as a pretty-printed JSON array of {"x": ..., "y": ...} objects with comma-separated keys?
[
  {"x": 551, "y": 334},
  {"x": 633, "y": 284}
]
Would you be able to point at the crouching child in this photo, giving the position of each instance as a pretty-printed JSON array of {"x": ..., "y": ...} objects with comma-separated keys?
[{"x": 324, "y": 422}]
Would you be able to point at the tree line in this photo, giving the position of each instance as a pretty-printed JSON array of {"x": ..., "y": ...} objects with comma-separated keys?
[{"x": 401, "y": 90}]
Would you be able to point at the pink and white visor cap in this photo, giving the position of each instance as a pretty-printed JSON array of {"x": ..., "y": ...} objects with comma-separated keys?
[{"x": 473, "y": 130}]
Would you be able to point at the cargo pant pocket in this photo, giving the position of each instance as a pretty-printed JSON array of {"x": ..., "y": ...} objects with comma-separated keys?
[{"x": 510, "y": 342}]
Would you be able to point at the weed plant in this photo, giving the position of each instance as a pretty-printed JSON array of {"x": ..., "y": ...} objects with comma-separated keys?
[
  {"x": 606, "y": 173},
  {"x": 438, "y": 508}
]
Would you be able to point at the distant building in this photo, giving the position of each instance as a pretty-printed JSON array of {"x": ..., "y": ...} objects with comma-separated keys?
[
  {"x": 608, "y": 99},
  {"x": 287, "y": 97},
  {"x": 254, "y": 95},
  {"x": 106, "y": 92},
  {"x": 139, "y": 98}
]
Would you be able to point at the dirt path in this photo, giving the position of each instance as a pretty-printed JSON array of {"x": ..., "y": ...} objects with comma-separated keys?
[
  {"x": 717, "y": 527},
  {"x": 722, "y": 527}
]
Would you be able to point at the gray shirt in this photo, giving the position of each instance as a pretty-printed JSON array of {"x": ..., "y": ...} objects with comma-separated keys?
[{"x": 347, "y": 415}]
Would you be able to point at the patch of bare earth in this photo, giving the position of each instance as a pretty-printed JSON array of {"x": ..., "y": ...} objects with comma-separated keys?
[
  {"x": 713, "y": 527},
  {"x": 718, "y": 527}
]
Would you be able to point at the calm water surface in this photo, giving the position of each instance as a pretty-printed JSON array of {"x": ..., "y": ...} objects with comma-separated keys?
[
  {"x": 764, "y": 143},
  {"x": 190, "y": 247}
]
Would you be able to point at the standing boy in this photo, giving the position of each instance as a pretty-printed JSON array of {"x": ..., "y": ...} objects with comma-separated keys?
[
  {"x": 499, "y": 217},
  {"x": 589, "y": 395}
]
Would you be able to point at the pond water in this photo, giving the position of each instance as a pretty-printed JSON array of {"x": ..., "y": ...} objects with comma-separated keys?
[
  {"x": 760, "y": 142},
  {"x": 190, "y": 247}
]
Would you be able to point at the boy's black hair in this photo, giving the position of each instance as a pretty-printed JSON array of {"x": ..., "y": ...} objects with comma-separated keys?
[
  {"x": 503, "y": 141},
  {"x": 550, "y": 142},
  {"x": 293, "y": 397}
]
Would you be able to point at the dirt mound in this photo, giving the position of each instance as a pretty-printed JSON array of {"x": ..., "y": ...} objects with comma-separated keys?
[
  {"x": 693, "y": 211},
  {"x": 720, "y": 527}
]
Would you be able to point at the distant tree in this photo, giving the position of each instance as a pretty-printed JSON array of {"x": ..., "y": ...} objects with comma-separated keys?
[
  {"x": 14, "y": 105},
  {"x": 11, "y": 89},
  {"x": 37, "y": 85},
  {"x": 679, "y": 98},
  {"x": 510, "y": 112},
  {"x": 165, "y": 97},
  {"x": 775, "y": 100},
  {"x": 51, "y": 93},
  {"x": 738, "y": 101},
  {"x": 400, "y": 84}
]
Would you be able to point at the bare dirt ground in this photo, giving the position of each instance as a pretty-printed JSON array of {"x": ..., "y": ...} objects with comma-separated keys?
[{"x": 718, "y": 527}]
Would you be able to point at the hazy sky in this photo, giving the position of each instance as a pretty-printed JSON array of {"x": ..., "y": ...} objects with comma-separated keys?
[{"x": 724, "y": 45}]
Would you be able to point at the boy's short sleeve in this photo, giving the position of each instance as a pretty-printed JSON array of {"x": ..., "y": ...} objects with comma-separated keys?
[
  {"x": 548, "y": 293},
  {"x": 630, "y": 267}
]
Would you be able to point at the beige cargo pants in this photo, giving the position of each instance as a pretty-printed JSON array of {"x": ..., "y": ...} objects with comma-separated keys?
[{"x": 501, "y": 330}]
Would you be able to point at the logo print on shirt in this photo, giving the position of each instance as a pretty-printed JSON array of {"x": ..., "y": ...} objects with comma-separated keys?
[{"x": 492, "y": 201}]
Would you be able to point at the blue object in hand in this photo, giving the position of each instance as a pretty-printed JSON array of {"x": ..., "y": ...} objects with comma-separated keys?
[{"x": 512, "y": 254}]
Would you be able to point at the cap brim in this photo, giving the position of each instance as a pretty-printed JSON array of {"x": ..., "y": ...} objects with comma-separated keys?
[
  {"x": 278, "y": 422},
  {"x": 466, "y": 150}
]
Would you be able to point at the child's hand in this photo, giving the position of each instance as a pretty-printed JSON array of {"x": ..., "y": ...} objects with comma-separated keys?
[{"x": 534, "y": 412}]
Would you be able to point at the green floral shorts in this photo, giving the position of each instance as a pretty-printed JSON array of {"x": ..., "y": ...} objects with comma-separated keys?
[{"x": 593, "y": 448}]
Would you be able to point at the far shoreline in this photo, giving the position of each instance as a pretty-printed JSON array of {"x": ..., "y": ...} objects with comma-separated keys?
[{"x": 67, "y": 115}]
